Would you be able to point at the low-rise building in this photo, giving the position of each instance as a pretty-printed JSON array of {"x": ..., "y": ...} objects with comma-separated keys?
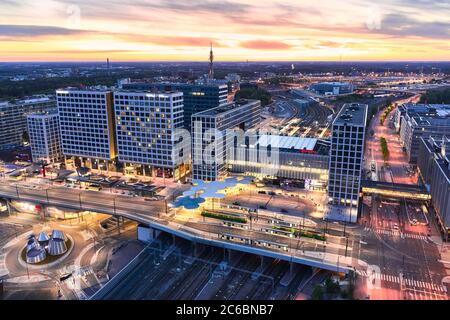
[
  {"x": 291, "y": 158},
  {"x": 434, "y": 171},
  {"x": 422, "y": 120},
  {"x": 332, "y": 88},
  {"x": 13, "y": 116}
]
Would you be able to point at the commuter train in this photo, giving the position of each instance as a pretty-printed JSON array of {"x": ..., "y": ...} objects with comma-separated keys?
[
  {"x": 279, "y": 232},
  {"x": 258, "y": 243},
  {"x": 295, "y": 233},
  {"x": 235, "y": 225}
]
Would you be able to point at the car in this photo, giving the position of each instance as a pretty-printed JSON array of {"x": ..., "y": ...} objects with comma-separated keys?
[
  {"x": 284, "y": 210},
  {"x": 271, "y": 193},
  {"x": 262, "y": 192},
  {"x": 262, "y": 207},
  {"x": 236, "y": 203}
]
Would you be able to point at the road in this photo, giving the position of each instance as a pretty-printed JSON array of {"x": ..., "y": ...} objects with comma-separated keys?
[{"x": 398, "y": 170}]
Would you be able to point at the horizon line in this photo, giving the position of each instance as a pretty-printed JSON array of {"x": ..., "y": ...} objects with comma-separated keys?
[{"x": 224, "y": 61}]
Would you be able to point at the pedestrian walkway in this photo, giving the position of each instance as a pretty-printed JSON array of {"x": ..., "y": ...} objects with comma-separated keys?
[
  {"x": 409, "y": 282},
  {"x": 3, "y": 270},
  {"x": 397, "y": 233}
]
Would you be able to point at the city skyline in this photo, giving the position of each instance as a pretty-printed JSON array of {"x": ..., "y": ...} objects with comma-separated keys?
[{"x": 239, "y": 30}]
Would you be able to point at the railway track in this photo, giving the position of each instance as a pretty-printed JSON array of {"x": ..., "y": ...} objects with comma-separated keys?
[
  {"x": 245, "y": 276},
  {"x": 183, "y": 282},
  {"x": 261, "y": 282},
  {"x": 279, "y": 271},
  {"x": 201, "y": 280}
]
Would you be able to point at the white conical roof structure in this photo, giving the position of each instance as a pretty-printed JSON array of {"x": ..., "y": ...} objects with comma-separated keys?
[
  {"x": 36, "y": 255},
  {"x": 43, "y": 237},
  {"x": 58, "y": 234},
  {"x": 32, "y": 243},
  {"x": 56, "y": 247}
]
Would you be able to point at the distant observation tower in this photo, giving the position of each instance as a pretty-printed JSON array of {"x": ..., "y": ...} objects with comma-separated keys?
[{"x": 211, "y": 64}]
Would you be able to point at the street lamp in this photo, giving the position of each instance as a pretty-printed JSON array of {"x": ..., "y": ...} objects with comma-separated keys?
[{"x": 79, "y": 196}]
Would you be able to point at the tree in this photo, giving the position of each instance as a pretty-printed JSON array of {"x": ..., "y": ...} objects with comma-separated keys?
[
  {"x": 331, "y": 286},
  {"x": 436, "y": 96},
  {"x": 317, "y": 293},
  {"x": 255, "y": 93}
]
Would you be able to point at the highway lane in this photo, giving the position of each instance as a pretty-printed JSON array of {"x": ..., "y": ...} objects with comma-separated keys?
[{"x": 86, "y": 200}]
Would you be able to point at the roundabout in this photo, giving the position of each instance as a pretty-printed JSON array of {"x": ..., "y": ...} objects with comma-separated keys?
[{"x": 47, "y": 249}]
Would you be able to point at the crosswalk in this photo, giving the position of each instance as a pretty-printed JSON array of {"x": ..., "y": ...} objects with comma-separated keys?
[
  {"x": 406, "y": 281},
  {"x": 85, "y": 271},
  {"x": 397, "y": 233},
  {"x": 3, "y": 270}
]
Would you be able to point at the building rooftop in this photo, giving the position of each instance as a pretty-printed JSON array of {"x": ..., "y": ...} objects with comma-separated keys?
[
  {"x": 224, "y": 108},
  {"x": 285, "y": 142},
  {"x": 99, "y": 89},
  {"x": 28, "y": 100},
  {"x": 43, "y": 114},
  {"x": 174, "y": 84},
  {"x": 427, "y": 110},
  {"x": 149, "y": 92},
  {"x": 352, "y": 113},
  {"x": 440, "y": 146}
]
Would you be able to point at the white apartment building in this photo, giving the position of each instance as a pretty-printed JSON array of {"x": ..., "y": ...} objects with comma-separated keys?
[
  {"x": 45, "y": 140},
  {"x": 87, "y": 127},
  {"x": 148, "y": 125}
]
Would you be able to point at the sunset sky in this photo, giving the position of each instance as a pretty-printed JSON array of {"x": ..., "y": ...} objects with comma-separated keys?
[{"x": 293, "y": 30}]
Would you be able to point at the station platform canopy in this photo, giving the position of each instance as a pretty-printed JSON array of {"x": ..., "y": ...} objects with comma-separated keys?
[
  {"x": 202, "y": 190},
  {"x": 286, "y": 142}
]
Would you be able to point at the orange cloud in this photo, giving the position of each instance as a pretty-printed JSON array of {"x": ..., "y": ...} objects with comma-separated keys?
[{"x": 265, "y": 45}]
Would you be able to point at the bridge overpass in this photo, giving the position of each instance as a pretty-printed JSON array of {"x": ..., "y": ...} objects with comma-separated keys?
[
  {"x": 327, "y": 256},
  {"x": 395, "y": 190}
]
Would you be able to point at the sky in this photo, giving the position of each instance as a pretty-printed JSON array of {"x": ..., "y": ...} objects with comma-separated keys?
[{"x": 239, "y": 30}]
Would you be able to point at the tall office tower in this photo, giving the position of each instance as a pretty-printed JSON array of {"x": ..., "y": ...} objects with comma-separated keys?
[
  {"x": 147, "y": 138},
  {"x": 346, "y": 161},
  {"x": 213, "y": 136},
  {"x": 45, "y": 140},
  {"x": 13, "y": 116},
  {"x": 211, "y": 64},
  {"x": 196, "y": 97},
  {"x": 87, "y": 127}
]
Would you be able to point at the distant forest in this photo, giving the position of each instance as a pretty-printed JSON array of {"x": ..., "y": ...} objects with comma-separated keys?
[
  {"x": 255, "y": 93},
  {"x": 437, "y": 96},
  {"x": 10, "y": 89}
]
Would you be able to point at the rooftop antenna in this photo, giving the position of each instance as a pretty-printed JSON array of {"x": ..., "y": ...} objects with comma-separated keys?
[{"x": 211, "y": 62}]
